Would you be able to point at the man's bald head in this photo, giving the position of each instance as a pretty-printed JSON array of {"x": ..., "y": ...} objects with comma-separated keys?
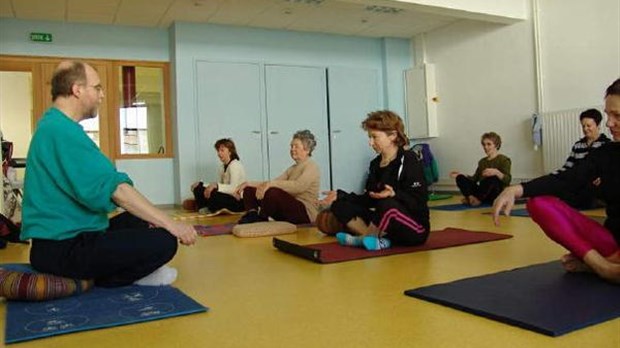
[{"x": 67, "y": 74}]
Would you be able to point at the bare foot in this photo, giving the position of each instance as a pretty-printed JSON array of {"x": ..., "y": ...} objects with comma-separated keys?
[
  {"x": 605, "y": 268},
  {"x": 614, "y": 258},
  {"x": 572, "y": 263},
  {"x": 465, "y": 201},
  {"x": 474, "y": 201}
]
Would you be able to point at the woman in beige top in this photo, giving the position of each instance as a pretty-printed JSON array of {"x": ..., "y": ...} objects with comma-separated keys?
[
  {"x": 291, "y": 196},
  {"x": 218, "y": 196}
]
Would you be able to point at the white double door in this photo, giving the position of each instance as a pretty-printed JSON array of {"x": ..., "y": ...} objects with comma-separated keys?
[{"x": 260, "y": 107}]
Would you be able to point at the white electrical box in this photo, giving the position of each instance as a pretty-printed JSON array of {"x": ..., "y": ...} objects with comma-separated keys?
[{"x": 421, "y": 101}]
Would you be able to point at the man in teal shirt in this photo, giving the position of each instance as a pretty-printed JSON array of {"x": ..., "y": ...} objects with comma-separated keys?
[{"x": 69, "y": 189}]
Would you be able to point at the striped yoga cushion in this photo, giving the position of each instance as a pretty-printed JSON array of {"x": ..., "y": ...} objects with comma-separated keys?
[{"x": 20, "y": 282}]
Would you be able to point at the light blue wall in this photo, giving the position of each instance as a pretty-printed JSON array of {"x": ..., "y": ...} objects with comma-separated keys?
[
  {"x": 100, "y": 42},
  {"x": 184, "y": 44},
  {"x": 397, "y": 57},
  {"x": 84, "y": 40},
  {"x": 193, "y": 42},
  {"x": 152, "y": 177}
]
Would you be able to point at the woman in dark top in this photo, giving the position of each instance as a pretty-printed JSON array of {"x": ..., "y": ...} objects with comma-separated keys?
[
  {"x": 492, "y": 174},
  {"x": 592, "y": 139},
  {"x": 393, "y": 209},
  {"x": 592, "y": 247}
]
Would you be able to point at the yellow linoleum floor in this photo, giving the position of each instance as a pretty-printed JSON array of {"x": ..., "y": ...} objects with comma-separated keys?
[{"x": 260, "y": 297}]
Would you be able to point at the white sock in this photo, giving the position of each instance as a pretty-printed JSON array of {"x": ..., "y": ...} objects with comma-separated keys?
[{"x": 164, "y": 275}]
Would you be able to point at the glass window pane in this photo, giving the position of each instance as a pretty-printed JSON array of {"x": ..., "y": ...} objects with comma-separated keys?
[
  {"x": 142, "y": 116},
  {"x": 91, "y": 127}
]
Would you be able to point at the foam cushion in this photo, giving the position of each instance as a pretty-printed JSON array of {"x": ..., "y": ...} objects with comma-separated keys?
[
  {"x": 327, "y": 223},
  {"x": 21, "y": 282},
  {"x": 190, "y": 204},
  {"x": 262, "y": 229}
]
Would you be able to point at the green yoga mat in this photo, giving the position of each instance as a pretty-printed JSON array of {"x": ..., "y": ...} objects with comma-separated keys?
[{"x": 439, "y": 196}]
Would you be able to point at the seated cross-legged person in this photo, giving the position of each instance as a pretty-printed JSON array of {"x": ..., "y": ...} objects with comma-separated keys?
[
  {"x": 70, "y": 187},
  {"x": 491, "y": 177},
  {"x": 393, "y": 209},
  {"x": 593, "y": 247},
  {"x": 292, "y": 196},
  {"x": 222, "y": 195},
  {"x": 592, "y": 139}
]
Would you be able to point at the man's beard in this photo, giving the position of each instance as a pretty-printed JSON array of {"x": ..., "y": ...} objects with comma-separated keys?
[{"x": 91, "y": 113}]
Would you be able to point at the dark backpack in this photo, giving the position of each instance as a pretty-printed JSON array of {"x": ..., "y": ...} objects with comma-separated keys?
[{"x": 9, "y": 232}]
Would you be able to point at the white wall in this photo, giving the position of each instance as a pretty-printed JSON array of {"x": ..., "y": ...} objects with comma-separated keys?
[
  {"x": 485, "y": 81},
  {"x": 15, "y": 107},
  {"x": 486, "y": 78},
  {"x": 580, "y": 51}
]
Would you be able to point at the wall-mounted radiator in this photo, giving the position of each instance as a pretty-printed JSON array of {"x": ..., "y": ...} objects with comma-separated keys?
[{"x": 560, "y": 130}]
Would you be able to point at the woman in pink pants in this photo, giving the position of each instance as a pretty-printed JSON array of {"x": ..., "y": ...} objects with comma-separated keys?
[{"x": 592, "y": 247}]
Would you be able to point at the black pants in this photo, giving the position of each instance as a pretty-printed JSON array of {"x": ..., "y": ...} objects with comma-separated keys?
[
  {"x": 486, "y": 190},
  {"x": 127, "y": 251},
  {"x": 217, "y": 200},
  {"x": 389, "y": 216}
]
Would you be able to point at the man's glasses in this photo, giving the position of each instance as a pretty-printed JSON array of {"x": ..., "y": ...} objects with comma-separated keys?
[{"x": 98, "y": 88}]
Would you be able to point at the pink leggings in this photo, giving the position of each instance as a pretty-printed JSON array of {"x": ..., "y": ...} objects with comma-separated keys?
[{"x": 569, "y": 228}]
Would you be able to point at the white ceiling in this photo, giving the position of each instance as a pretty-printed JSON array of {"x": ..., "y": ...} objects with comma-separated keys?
[{"x": 349, "y": 17}]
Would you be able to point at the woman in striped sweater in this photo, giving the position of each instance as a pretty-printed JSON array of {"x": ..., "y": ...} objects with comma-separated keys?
[{"x": 593, "y": 138}]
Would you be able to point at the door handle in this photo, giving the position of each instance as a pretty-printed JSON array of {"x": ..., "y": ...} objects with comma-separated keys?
[
  {"x": 274, "y": 132},
  {"x": 337, "y": 131},
  {"x": 256, "y": 132}
]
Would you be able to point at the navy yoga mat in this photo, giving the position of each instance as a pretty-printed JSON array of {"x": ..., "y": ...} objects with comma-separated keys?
[
  {"x": 461, "y": 206},
  {"x": 98, "y": 308},
  {"x": 543, "y": 298},
  {"x": 458, "y": 207},
  {"x": 522, "y": 212},
  {"x": 334, "y": 252}
]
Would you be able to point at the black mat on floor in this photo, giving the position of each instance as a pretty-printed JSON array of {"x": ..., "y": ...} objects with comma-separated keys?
[{"x": 543, "y": 298}]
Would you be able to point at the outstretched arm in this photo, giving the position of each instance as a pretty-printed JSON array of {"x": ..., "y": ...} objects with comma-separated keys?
[
  {"x": 134, "y": 202},
  {"x": 506, "y": 201}
]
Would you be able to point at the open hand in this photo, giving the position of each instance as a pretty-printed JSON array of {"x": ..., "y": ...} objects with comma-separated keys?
[
  {"x": 387, "y": 192},
  {"x": 506, "y": 201},
  {"x": 330, "y": 197}
]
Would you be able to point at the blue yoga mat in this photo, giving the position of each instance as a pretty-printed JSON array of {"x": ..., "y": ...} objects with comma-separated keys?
[
  {"x": 461, "y": 206},
  {"x": 96, "y": 309},
  {"x": 543, "y": 298},
  {"x": 522, "y": 212}
]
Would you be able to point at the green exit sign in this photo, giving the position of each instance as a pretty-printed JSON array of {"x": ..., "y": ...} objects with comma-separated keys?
[{"x": 41, "y": 37}]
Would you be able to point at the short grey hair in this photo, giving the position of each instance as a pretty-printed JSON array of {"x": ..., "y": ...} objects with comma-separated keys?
[{"x": 307, "y": 139}]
